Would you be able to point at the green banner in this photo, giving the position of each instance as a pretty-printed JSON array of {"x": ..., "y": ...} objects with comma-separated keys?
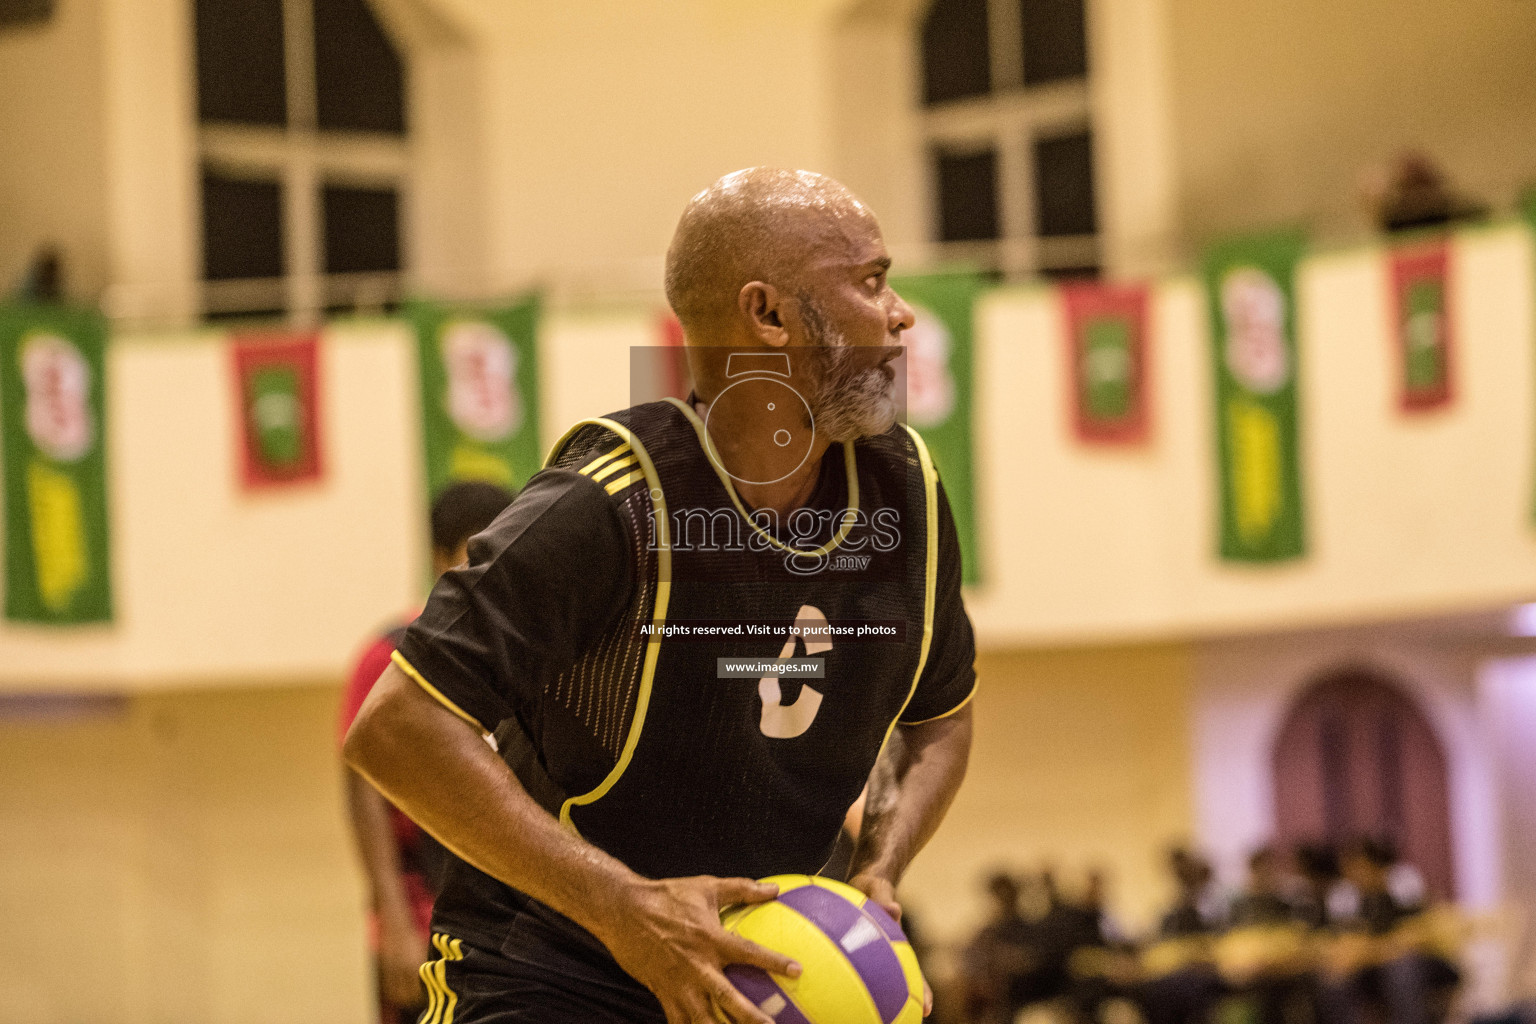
[
  {"x": 479, "y": 392},
  {"x": 1250, "y": 283},
  {"x": 939, "y": 390},
  {"x": 52, "y": 416}
]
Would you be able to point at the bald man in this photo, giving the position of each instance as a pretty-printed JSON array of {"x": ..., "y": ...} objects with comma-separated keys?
[{"x": 610, "y": 627}]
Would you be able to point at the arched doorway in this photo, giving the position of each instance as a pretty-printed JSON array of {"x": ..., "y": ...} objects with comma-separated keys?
[{"x": 1357, "y": 757}]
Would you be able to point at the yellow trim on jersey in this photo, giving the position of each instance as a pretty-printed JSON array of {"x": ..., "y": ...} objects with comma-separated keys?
[
  {"x": 658, "y": 613},
  {"x": 931, "y": 575},
  {"x": 441, "y": 998},
  {"x": 626, "y": 462},
  {"x": 420, "y": 680},
  {"x": 615, "y": 486},
  {"x": 589, "y": 467},
  {"x": 849, "y": 514},
  {"x": 952, "y": 711}
]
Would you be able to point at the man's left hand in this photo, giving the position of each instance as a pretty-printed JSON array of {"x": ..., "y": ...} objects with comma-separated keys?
[{"x": 880, "y": 889}]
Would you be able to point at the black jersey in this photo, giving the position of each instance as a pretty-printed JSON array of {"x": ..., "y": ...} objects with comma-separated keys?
[
  {"x": 736, "y": 776},
  {"x": 611, "y": 706}
]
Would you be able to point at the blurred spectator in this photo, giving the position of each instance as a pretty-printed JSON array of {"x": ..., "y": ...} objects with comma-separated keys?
[
  {"x": 1180, "y": 984},
  {"x": 999, "y": 964},
  {"x": 404, "y": 866},
  {"x": 1263, "y": 955},
  {"x": 43, "y": 280},
  {"x": 1416, "y": 194},
  {"x": 1318, "y": 866},
  {"x": 1385, "y": 955},
  {"x": 1268, "y": 898},
  {"x": 1318, "y": 937},
  {"x": 1039, "y": 947},
  {"x": 1096, "y": 961},
  {"x": 1197, "y": 909}
]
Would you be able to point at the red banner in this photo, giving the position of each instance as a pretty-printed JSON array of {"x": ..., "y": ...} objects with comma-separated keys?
[
  {"x": 278, "y": 397},
  {"x": 1421, "y": 324},
  {"x": 1107, "y": 350}
]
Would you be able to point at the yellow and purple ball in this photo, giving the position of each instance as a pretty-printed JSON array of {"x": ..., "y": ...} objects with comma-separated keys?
[{"x": 856, "y": 964}]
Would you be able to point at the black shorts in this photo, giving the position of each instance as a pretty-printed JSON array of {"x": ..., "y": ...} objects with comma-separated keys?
[{"x": 541, "y": 975}]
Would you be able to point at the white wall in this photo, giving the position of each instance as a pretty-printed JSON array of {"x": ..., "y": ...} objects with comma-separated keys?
[
  {"x": 154, "y": 243},
  {"x": 1279, "y": 108},
  {"x": 1405, "y": 515},
  {"x": 180, "y": 857},
  {"x": 215, "y": 585},
  {"x": 1507, "y": 692},
  {"x": 52, "y": 180},
  {"x": 603, "y": 118}
]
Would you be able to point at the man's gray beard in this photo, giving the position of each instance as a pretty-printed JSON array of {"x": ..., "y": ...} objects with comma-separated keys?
[{"x": 849, "y": 401}]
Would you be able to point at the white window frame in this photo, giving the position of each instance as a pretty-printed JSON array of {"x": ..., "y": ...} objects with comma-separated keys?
[
  {"x": 1009, "y": 120},
  {"x": 302, "y": 159}
]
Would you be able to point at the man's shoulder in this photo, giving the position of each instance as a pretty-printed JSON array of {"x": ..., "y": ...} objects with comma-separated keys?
[
  {"x": 897, "y": 442},
  {"x": 615, "y": 431}
]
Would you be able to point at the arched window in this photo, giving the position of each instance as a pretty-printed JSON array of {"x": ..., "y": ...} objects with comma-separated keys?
[
  {"x": 1357, "y": 757},
  {"x": 302, "y": 140},
  {"x": 1006, "y": 117}
]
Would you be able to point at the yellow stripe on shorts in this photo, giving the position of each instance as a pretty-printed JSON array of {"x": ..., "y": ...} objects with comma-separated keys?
[{"x": 441, "y": 999}]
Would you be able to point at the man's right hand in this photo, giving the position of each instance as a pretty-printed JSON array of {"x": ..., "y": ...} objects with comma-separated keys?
[{"x": 667, "y": 935}]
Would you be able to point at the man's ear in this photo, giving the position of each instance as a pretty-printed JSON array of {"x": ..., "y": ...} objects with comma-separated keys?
[{"x": 762, "y": 310}]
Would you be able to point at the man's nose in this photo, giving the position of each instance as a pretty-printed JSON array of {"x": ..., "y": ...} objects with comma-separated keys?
[{"x": 901, "y": 316}]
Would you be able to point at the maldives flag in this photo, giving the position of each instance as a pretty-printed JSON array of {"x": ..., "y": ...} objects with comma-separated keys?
[
  {"x": 277, "y": 395},
  {"x": 1107, "y": 352},
  {"x": 1421, "y": 291}
]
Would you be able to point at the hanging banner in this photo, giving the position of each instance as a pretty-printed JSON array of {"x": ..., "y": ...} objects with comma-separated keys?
[
  {"x": 1250, "y": 283},
  {"x": 1106, "y": 333},
  {"x": 277, "y": 392},
  {"x": 53, "y": 411},
  {"x": 1422, "y": 323},
  {"x": 939, "y": 376},
  {"x": 479, "y": 392}
]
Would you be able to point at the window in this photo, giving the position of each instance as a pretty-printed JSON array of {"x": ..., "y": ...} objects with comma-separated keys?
[
  {"x": 302, "y": 139},
  {"x": 967, "y": 196},
  {"x": 1055, "y": 40},
  {"x": 956, "y": 61},
  {"x": 1006, "y": 117},
  {"x": 1064, "y": 185},
  {"x": 362, "y": 233},
  {"x": 242, "y": 228}
]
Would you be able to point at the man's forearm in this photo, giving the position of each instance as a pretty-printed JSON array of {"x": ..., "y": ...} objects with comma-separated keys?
[
  {"x": 438, "y": 770},
  {"x": 910, "y": 790},
  {"x": 665, "y": 933}
]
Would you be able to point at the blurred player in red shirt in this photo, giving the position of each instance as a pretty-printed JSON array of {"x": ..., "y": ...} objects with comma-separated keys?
[{"x": 404, "y": 865}]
